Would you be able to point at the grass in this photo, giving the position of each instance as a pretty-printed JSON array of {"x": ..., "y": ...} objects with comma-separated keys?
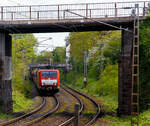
[
  {"x": 20, "y": 102},
  {"x": 110, "y": 104},
  {"x": 144, "y": 120},
  {"x": 21, "y": 99},
  {"x": 5, "y": 116}
]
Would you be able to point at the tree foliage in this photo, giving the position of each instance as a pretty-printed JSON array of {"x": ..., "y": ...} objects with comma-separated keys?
[
  {"x": 43, "y": 57},
  {"x": 24, "y": 50},
  {"x": 55, "y": 56},
  {"x": 59, "y": 55},
  {"x": 97, "y": 44},
  {"x": 145, "y": 62}
]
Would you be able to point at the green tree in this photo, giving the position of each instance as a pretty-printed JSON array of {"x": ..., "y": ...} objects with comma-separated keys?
[
  {"x": 145, "y": 63},
  {"x": 106, "y": 52},
  {"x": 44, "y": 57},
  {"x": 25, "y": 48},
  {"x": 59, "y": 55}
]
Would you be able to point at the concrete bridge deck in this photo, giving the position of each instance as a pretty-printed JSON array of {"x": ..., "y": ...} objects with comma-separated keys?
[
  {"x": 66, "y": 25},
  {"x": 56, "y": 18}
]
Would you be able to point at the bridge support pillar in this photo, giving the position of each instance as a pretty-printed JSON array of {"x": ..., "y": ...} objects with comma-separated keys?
[
  {"x": 5, "y": 73},
  {"x": 125, "y": 75}
]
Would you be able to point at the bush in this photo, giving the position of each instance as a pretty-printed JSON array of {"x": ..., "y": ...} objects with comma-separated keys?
[{"x": 109, "y": 81}]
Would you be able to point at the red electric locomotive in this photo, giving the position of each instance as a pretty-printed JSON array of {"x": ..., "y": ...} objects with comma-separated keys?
[{"x": 46, "y": 80}]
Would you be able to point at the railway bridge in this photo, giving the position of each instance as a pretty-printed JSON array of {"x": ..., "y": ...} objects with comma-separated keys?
[{"x": 72, "y": 18}]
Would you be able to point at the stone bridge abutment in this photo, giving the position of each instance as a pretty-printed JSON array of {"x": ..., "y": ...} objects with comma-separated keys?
[{"x": 5, "y": 73}]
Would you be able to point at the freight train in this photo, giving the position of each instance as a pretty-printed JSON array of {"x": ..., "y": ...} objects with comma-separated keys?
[{"x": 46, "y": 80}]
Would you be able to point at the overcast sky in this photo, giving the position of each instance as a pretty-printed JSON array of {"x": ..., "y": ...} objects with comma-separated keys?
[{"x": 57, "y": 38}]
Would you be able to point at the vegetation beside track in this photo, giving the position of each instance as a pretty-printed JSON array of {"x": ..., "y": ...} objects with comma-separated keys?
[
  {"x": 21, "y": 102},
  {"x": 25, "y": 48},
  {"x": 103, "y": 70},
  {"x": 108, "y": 103}
]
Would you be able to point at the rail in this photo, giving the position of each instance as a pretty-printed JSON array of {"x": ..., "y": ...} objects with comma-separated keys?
[
  {"x": 58, "y": 12},
  {"x": 25, "y": 115},
  {"x": 80, "y": 111},
  {"x": 81, "y": 108},
  {"x": 45, "y": 115}
]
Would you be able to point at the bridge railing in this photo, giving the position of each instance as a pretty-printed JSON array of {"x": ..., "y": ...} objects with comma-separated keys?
[{"x": 58, "y": 12}]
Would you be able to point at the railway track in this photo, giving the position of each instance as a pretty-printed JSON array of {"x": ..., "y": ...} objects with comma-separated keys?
[
  {"x": 81, "y": 108},
  {"x": 31, "y": 118},
  {"x": 74, "y": 93},
  {"x": 66, "y": 109},
  {"x": 27, "y": 119},
  {"x": 47, "y": 114},
  {"x": 25, "y": 115}
]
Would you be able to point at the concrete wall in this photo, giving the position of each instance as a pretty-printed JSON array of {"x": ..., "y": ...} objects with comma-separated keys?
[{"x": 125, "y": 71}]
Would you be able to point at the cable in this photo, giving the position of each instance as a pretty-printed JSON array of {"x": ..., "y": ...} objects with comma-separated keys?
[
  {"x": 113, "y": 26},
  {"x": 33, "y": 45}
]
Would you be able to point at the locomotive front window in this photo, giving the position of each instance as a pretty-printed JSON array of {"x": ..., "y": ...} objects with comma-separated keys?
[{"x": 49, "y": 74}]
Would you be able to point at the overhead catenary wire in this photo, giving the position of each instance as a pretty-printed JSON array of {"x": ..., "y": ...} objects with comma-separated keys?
[
  {"x": 34, "y": 44},
  {"x": 113, "y": 26}
]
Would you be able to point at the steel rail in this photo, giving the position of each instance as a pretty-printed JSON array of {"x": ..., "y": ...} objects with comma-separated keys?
[
  {"x": 94, "y": 102},
  {"x": 45, "y": 115},
  {"x": 25, "y": 115},
  {"x": 80, "y": 111},
  {"x": 79, "y": 100}
]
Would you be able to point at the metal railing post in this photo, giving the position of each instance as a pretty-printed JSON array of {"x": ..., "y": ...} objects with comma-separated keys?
[
  {"x": 38, "y": 15},
  {"x": 64, "y": 14},
  {"x": 144, "y": 9},
  {"x": 30, "y": 12},
  {"x": 76, "y": 120},
  {"x": 86, "y": 10},
  {"x": 90, "y": 13},
  {"x": 58, "y": 12},
  {"x": 12, "y": 17},
  {"x": 115, "y": 9},
  {"x": 1, "y": 13}
]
